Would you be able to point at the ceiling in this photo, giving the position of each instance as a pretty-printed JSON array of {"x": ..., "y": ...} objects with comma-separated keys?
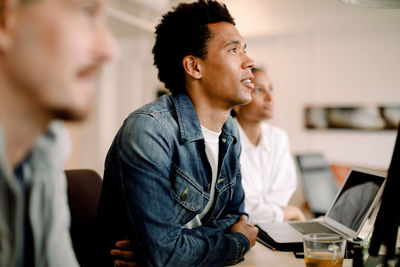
[
  {"x": 277, "y": 17},
  {"x": 260, "y": 18}
]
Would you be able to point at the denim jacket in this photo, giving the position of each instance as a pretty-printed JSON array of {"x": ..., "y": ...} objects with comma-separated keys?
[{"x": 157, "y": 178}]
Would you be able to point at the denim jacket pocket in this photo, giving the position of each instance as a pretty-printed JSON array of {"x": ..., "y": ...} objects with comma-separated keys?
[
  {"x": 225, "y": 193},
  {"x": 187, "y": 194}
]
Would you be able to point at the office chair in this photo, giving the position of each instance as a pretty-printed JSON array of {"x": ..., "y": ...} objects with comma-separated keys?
[
  {"x": 84, "y": 187},
  {"x": 318, "y": 181},
  {"x": 340, "y": 172}
]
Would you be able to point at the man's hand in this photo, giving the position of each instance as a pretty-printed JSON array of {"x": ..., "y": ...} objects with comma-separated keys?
[
  {"x": 292, "y": 213},
  {"x": 249, "y": 230},
  {"x": 124, "y": 253}
]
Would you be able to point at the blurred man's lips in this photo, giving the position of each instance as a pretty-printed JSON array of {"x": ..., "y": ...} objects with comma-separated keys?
[{"x": 88, "y": 72}]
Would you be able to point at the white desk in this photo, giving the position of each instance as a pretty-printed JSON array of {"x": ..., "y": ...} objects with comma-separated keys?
[{"x": 260, "y": 255}]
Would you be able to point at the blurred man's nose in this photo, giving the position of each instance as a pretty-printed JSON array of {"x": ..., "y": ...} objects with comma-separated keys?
[{"x": 105, "y": 47}]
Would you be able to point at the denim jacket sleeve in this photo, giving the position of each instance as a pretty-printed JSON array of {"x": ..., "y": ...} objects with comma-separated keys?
[{"x": 145, "y": 150}]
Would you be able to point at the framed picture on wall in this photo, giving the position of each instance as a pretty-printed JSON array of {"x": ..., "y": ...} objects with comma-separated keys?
[{"x": 352, "y": 117}]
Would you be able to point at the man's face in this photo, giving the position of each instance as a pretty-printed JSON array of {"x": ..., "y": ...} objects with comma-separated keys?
[
  {"x": 226, "y": 70},
  {"x": 57, "y": 47},
  {"x": 262, "y": 105}
]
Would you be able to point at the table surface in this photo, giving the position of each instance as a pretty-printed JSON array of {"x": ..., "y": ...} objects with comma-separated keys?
[{"x": 260, "y": 255}]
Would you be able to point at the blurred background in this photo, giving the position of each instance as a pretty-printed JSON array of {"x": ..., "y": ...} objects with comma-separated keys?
[{"x": 317, "y": 52}]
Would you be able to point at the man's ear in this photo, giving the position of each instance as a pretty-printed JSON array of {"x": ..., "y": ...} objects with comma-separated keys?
[{"x": 192, "y": 67}]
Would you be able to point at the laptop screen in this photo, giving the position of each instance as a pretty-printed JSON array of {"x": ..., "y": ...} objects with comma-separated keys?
[{"x": 356, "y": 199}]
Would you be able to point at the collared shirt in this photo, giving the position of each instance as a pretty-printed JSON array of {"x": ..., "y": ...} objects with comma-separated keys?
[
  {"x": 46, "y": 207},
  {"x": 269, "y": 174},
  {"x": 157, "y": 178},
  {"x": 26, "y": 255}
]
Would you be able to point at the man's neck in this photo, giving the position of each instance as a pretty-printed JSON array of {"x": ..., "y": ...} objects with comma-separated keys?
[
  {"x": 210, "y": 115},
  {"x": 252, "y": 130},
  {"x": 212, "y": 119},
  {"x": 20, "y": 122}
]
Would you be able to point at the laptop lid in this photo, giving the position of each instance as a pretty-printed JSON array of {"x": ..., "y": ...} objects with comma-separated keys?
[{"x": 355, "y": 200}]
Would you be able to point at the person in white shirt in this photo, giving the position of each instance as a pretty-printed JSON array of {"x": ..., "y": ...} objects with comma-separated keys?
[{"x": 269, "y": 175}]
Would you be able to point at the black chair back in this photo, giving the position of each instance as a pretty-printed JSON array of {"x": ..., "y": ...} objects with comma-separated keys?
[{"x": 84, "y": 188}]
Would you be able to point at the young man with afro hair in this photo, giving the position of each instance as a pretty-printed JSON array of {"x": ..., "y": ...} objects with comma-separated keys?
[{"x": 172, "y": 181}]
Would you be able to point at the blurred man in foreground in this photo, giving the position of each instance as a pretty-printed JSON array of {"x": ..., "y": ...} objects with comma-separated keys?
[{"x": 50, "y": 52}]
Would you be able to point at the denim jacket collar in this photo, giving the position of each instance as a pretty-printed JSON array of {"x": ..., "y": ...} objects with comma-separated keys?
[{"x": 188, "y": 120}]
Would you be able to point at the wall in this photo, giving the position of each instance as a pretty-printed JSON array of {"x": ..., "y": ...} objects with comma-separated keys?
[
  {"x": 124, "y": 85},
  {"x": 333, "y": 68},
  {"x": 330, "y": 67}
]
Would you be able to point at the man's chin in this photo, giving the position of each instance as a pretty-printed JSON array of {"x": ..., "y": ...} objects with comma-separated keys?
[
  {"x": 246, "y": 100},
  {"x": 241, "y": 101}
]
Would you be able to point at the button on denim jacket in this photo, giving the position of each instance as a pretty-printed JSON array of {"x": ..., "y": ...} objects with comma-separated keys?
[{"x": 157, "y": 179}]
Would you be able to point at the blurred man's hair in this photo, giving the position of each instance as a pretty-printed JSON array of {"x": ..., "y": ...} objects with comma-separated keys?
[{"x": 4, "y": 4}]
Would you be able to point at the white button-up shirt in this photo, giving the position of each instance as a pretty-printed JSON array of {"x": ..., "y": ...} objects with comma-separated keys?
[{"x": 268, "y": 174}]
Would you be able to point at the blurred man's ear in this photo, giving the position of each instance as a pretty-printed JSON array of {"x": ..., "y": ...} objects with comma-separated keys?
[
  {"x": 4, "y": 6},
  {"x": 2, "y": 12},
  {"x": 5, "y": 22}
]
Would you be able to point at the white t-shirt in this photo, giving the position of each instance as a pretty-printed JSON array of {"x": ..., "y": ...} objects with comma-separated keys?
[
  {"x": 212, "y": 149},
  {"x": 268, "y": 174}
]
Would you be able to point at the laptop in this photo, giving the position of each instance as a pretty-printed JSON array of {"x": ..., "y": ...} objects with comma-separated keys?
[{"x": 346, "y": 216}]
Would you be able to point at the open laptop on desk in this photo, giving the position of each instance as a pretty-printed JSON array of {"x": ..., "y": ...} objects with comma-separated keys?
[{"x": 346, "y": 216}]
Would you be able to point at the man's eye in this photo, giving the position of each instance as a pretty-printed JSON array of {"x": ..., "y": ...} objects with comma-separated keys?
[
  {"x": 257, "y": 90},
  {"x": 89, "y": 9},
  {"x": 233, "y": 50}
]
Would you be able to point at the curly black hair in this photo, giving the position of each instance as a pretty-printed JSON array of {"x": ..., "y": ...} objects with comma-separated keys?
[{"x": 181, "y": 32}]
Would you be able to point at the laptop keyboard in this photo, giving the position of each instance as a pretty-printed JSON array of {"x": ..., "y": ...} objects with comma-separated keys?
[{"x": 311, "y": 227}]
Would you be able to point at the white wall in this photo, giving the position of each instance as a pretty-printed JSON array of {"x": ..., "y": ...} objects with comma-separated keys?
[{"x": 333, "y": 68}]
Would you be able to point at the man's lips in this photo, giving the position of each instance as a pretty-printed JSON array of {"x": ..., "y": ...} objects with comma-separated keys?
[{"x": 248, "y": 82}]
